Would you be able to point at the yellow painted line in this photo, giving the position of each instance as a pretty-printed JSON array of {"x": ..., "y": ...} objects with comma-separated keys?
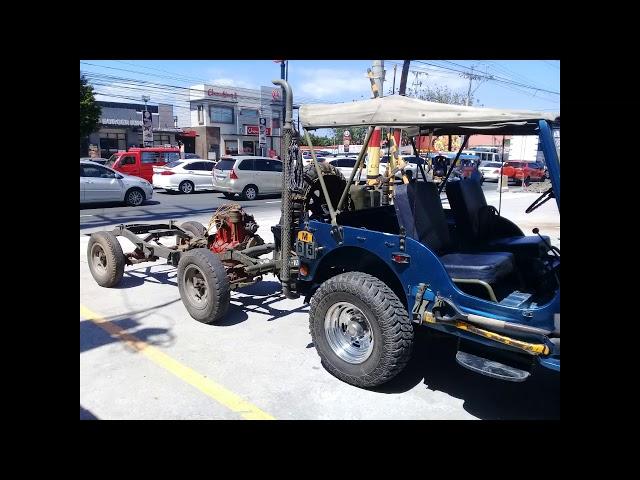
[{"x": 220, "y": 394}]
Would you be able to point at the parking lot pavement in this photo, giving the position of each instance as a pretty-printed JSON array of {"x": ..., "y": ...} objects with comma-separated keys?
[{"x": 143, "y": 356}]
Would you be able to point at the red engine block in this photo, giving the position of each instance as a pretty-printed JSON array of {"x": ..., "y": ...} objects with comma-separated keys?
[{"x": 235, "y": 228}]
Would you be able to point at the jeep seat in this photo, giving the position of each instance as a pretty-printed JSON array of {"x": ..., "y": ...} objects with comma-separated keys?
[
  {"x": 469, "y": 207},
  {"x": 420, "y": 213}
]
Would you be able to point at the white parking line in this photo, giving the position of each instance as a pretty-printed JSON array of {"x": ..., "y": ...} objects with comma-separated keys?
[{"x": 275, "y": 201}]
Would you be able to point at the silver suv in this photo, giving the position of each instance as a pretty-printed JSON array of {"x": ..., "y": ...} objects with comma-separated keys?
[{"x": 248, "y": 176}]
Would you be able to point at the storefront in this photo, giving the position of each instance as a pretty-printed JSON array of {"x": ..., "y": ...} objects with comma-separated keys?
[
  {"x": 121, "y": 128},
  {"x": 226, "y": 120}
]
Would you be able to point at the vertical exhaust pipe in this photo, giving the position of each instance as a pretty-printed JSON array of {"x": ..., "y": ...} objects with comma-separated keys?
[{"x": 287, "y": 134}]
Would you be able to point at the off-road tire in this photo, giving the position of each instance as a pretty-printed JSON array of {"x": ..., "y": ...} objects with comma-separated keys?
[
  {"x": 392, "y": 329},
  {"x": 313, "y": 196},
  {"x": 218, "y": 288},
  {"x": 107, "y": 242}
]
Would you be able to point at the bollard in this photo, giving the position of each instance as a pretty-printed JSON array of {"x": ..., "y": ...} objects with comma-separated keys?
[{"x": 503, "y": 183}]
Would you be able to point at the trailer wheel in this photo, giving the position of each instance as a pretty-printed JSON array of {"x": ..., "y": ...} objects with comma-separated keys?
[
  {"x": 196, "y": 228},
  {"x": 204, "y": 285},
  {"x": 106, "y": 259},
  {"x": 360, "y": 329}
]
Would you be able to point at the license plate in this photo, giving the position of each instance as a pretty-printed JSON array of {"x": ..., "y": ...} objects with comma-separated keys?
[
  {"x": 305, "y": 236},
  {"x": 306, "y": 249}
]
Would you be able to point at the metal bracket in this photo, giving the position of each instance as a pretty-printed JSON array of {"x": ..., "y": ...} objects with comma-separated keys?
[
  {"x": 420, "y": 304},
  {"x": 337, "y": 234}
]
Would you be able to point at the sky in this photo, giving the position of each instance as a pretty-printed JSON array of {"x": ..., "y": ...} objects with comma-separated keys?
[{"x": 516, "y": 84}]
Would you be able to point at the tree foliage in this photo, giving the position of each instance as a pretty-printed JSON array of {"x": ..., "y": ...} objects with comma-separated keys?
[
  {"x": 89, "y": 109},
  {"x": 357, "y": 134},
  {"x": 440, "y": 94}
]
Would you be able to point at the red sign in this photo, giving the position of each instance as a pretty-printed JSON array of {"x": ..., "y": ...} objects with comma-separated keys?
[
  {"x": 275, "y": 95},
  {"x": 212, "y": 93},
  {"x": 254, "y": 130}
]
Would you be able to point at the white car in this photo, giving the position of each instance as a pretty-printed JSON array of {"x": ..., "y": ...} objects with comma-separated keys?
[
  {"x": 490, "y": 170},
  {"x": 247, "y": 176},
  {"x": 184, "y": 176},
  {"x": 102, "y": 184},
  {"x": 412, "y": 165},
  {"x": 346, "y": 164}
]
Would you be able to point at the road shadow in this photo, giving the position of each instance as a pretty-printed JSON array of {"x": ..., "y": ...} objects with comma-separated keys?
[
  {"x": 141, "y": 275},
  {"x": 258, "y": 298},
  {"x": 433, "y": 363},
  {"x": 93, "y": 205},
  {"x": 93, "y": 336}
]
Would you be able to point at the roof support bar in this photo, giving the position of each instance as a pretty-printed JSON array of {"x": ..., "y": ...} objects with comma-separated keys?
[
  {"x": 455, "y": 160},
  {"x": 320, "y": 177},
  {"x": 356, "y": 167}
]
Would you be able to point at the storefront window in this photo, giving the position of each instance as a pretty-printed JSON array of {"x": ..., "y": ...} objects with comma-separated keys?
[
  {"x": 160, "y": 139},
  {"x": 231, "y": 147},
  {"x": 221, "y": 114},
  {"x": 247, "y": 148}
]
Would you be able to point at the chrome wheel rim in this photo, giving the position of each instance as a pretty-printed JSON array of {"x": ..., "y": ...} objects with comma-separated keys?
[
  {"x": 196, "y": 287},
  {"x": 251, "y": 193},
  {"x": 135, "y": 198},
  {"x": 99, "y": 258},
  {"x": 186, "y": 187},
  {"x": 348, "y": 332}
]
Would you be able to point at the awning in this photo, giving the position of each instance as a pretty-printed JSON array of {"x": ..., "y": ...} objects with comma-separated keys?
[
  {"x": 404, "y": 112},
  {"x": 188, "y": 133}
]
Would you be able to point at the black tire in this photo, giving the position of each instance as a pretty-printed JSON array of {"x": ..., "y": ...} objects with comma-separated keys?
[
  {"x": 134, "y": 197},
  {"x": 228, "y": 196},
  {"x": 206, "y": 266},
  {"x": 195, "y": 227},
  {"x": 186, "y": 187},
  {"x": 250, "y": 192},
  {"x": 314, "y": 201},
  {"x": 106, "y": 259},
  {"x": 391, "y": 328}
]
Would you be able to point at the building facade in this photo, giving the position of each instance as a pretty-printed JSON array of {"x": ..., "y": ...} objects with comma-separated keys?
[
  {"x": 121, "y": 128},
  {"x": 226, "y": 120}
]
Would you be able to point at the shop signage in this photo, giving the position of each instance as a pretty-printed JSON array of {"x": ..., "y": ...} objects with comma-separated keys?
[
  {"x": 255, "y": 130},
  {"x": 262, "y": 132},
  {"x": 213, "y": 93},
  {"x": 120, "y": 121}
]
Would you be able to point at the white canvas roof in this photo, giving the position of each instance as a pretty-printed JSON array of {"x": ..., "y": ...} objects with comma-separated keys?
[{"x": 399, "y": 111}]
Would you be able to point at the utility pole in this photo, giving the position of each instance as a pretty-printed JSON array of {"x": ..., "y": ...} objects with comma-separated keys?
[
  {"x": 469, "y": 91},
  {"x": 393, "y": 91},
  {"x": 403, "y": 77}
]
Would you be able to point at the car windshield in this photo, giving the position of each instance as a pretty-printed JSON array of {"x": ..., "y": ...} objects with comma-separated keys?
[
  {"x": 225, "y": 164},
  {"x": 490, "y": 164}
]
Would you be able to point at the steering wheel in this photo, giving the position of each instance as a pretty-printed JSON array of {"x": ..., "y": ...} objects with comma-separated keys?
[{"x": 546, "y": 196}]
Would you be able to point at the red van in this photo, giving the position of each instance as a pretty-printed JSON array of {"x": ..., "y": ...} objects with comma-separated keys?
[{"x": 140, "y": 161}]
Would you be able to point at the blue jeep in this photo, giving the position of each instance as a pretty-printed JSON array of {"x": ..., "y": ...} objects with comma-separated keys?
[{"x": 374, "y": 270}]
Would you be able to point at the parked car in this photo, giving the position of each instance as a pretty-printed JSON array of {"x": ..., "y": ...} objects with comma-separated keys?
[
  {"x": 521, "y": 171},
  {"x": 101, "y": 161},
  {"x": 490, "y": 170},
  {"x": 140, "y": 161},
  {"x": 102, "y": 184},
  {"x": 247, "y": 176},
  {"x": 412, "y": 165},
  {"x": 192, "y": 156},
  {"x": 346, "y": 164},
  {"x": 185, "y": 176}
]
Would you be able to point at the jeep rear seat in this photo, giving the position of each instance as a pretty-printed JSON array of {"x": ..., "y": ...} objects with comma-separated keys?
[
  {"x": 420, "y": 213},
  {"x": 468, "y": 202}
]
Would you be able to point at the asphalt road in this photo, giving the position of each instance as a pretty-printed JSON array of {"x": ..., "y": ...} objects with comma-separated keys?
[{"x": 143, "y": 357}]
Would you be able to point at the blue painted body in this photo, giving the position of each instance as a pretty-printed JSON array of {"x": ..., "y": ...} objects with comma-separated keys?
[{"x": 425, "y": 267}]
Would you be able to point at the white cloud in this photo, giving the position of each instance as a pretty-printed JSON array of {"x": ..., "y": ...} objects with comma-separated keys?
[
  {"x": 329, "y": 83},
  {"x": 231, "y": 82}
]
